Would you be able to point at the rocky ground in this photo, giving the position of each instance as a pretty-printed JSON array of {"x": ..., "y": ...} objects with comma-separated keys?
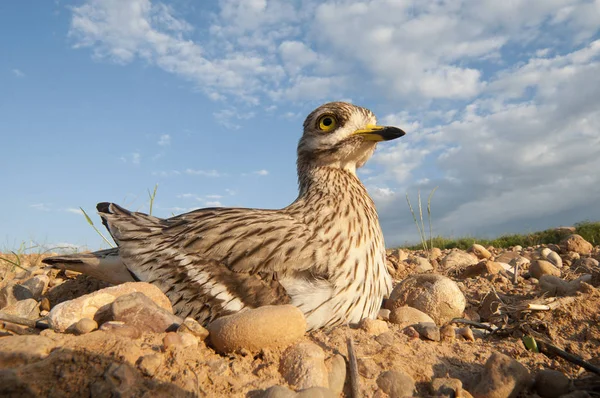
[{"x": 453, "y": 326}]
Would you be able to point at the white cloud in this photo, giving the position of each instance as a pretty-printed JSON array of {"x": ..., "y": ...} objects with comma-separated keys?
[
  {"x": 229, "y": 118},
  {"x": 18, "y": 72},
  {"x": 214, "y": 203},
  {"x": 262, "y": 172},
  {"x": 165, "y": 173},
  {"x": 214, "y": 196},
  {"x": 41, "y": 206},
  {"x": 204, "y": 173},
  {"x": 164, "y": 140},
  {"x": 136, "y": 158},
  {"x": 74, "y": 210}
]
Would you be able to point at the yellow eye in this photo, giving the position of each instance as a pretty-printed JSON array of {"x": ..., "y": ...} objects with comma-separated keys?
[{"x": 327, "y": 122}]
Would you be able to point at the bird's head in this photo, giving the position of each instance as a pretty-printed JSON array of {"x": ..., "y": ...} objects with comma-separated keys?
[{"x": 339, "y": 134}]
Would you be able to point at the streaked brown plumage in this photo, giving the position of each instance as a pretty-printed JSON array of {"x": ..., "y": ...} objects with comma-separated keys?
[{"x": 323, "y": 253}]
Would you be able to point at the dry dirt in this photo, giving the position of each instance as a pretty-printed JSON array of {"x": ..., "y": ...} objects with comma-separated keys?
[{"x": 101, "y": 364}]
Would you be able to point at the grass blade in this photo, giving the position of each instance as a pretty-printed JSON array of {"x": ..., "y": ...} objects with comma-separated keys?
[{"x": 89, "y": 220}]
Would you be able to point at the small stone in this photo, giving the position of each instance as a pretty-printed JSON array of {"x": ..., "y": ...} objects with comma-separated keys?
[
  {"x": 85, "y": 325},
  {"x": 448, "y": 332},
  {"x": 420, "y": 264},
  {"x": 172, "y": 340},
  {"x": 278, "y": 392},
  {"x": 45, "y": 304},
  {"x": 12, "y": 292},
  {"x": 542, "y": 267},
  {"x": 555, "y": 286},
  {"x": 396, "y": 384},
  {"x": 337, "y": 373},
  {"x": 150, "y": 363},
  {"x": 96, "y": 305},
  {"x": 490, "y": 306},
  {"x": 259, "y": 328},
  {"x": 553, "y": 257},
  {"x": 136, "y": 309},
  {"x": 588, "y": 263},
  {"x": 384, "y": 314},
  {"x": 508, "y": 256},
  {"x": 436, "y": 295},
  {"x": 435, "y": 253},
  {"x": 407, "y": 316},
  {"x": 485, "y": 267},
  {"x": 121, "y": 329},
  {"x": 373, "y": 326},
  {"x": 466, "y": 333},
  {"x": 428, "y": 330},
  {"x": 480, "y": 251},
  {"x": 188, "y": 340},
  {"x": 411, "y": 332},
  {"x": 399, "y": 254},
  {"x": 303, "y": 366},
  {"x": 551, "y": 383},
  {"x": 192, "y": 326},
  {"x": 315, "y": 392},
  {"x": 502, "y": 377},
  {"x": 27, "y": 308},
  {"x": 446, "y": 387},
  {"x": 36, "y": 285},
  {"x": 576, "y": 243},
  {"x": 458, "y": 259}
]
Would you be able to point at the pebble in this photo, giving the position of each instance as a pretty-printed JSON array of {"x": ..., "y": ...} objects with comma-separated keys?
[
  {"x": 303, "y": 365},
  {"x": 259, "y": 328},
  {"x": 542, "y": 267},
  {"x": 435, "y": 253},
  {"x": 11, "y": 293},
  {"x": 27, "y": 308},
  {"x": 480, "y": 251},
  {"x": 553, "y": 257},
  {"x": 150, "y": 363},
  {"x": 36, "y": 285},
  {"x": 588, "y": 263},
  {"x": 188, "y": 340},
  {"x": 576, "y": 243},
  {"x": 136, "y": 309},
  {"x": 485, "y": 267},
  {"x": 399, "y": 254},
  {"x": 551, "y": 383},
  {"x": 502, "y": 377},
  {"x": 45, "y": 304},
  {"x": 337, "y": 373},
  {"x": 446, "y": 387},
  {"x": 373, "y": 326},
  {"x": 396, "y": 384},
  {"x": 466, "y": 333},
  {"x": 436, "y": 295},
  {"x": 411, "y": 332},
  {"x": 85, "y": 325},
  {"x": 121, "y": 329},
  {"x": 315, "y": 392},
  {"x": 428, "y": 330},
  {"x": 172, "y": 340},
  {"x": 448, "y": 332},
  {"x": 420, "y": 264},
  {"x": 192, "y": 326},
  {"x": 278, "y": 392},
  {"x": 555, "y": 286},
  {"x": 458, "y": 259},
  {"x": 384, "y": 314},
  {"x": 508, "y": 256},
  {"x": 67, "y": 313},
  {"x": 407, "y": 316}
]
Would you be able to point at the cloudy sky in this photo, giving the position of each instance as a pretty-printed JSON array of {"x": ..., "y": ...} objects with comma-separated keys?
[{"x": 102, "y": 99}]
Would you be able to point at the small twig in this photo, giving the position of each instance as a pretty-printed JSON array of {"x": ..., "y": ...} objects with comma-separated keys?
[
  {"x": 478, "y": 325},
  {"x": 23, "y": 321},
  {"x": 354, "y": 380},
  {"x": 549, "y": 349}
]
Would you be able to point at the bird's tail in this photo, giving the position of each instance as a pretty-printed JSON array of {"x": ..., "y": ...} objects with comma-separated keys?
[{"x": 104, "y": 264}]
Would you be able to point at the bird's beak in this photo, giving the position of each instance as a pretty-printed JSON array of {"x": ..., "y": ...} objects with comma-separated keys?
[{"x": 379, "y": 133}]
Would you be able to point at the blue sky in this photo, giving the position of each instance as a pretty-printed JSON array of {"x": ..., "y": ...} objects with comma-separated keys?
[{"x": 102, "y": 99}]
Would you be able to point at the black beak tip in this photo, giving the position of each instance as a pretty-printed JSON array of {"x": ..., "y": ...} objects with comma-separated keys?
[{"x": 391, "y": 133}]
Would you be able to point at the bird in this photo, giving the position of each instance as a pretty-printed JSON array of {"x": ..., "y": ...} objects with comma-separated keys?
[{"x": 324, "y": 253}]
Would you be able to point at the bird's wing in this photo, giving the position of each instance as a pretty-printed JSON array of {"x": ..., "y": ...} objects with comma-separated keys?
[{"x": 213, "y": 261}]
